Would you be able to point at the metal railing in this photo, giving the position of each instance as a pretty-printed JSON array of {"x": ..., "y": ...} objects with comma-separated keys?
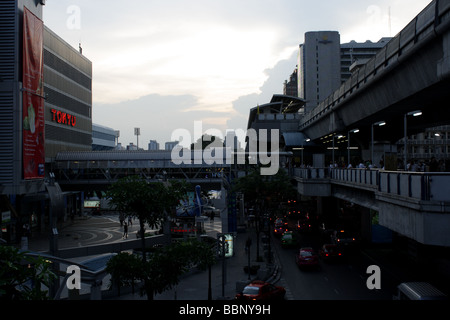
[{"x": 424, "y": 186}]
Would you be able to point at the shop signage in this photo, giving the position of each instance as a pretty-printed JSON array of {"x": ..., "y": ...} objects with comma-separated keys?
[{"x": 63, "y": 118}]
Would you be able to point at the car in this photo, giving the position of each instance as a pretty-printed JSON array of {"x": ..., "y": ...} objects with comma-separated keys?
[
  {"x": 279, "y": 231},
  {"x": 329, "y": 252},
  {"x": 307, "y": 257},
  {"x": 280, "y": 227},
  {"x": 260, "y": 290},
  {"x": 344, "y": 238},
  {"x": 288, "y": 239},
  {"x": 304, "y": 226}
]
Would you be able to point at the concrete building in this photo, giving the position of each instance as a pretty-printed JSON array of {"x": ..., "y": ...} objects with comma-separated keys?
[
  {"x": 153, "y": 145},
  {"x": 359, "y": 52},
  {"x": 170, "y": 145},
  {"x": 68, "y": 91},
  {"x": 45, "y": 108},
  {"x": 319, "y": 68},
  {"x": 290, "y": 88},
  {"x": 103, "y": 138}
]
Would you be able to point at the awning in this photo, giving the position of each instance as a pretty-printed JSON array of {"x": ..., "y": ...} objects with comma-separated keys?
[{"x": 296, "y": 140}]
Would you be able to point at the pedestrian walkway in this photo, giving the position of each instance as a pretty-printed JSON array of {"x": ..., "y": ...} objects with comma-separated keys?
[{"x": 84, "y": 231}]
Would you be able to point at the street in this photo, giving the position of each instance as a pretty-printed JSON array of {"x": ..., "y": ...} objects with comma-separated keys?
[{"x": 340, "y": 280}]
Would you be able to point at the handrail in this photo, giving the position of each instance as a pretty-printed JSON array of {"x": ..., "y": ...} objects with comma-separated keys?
[{"x": 424, "y": 186}]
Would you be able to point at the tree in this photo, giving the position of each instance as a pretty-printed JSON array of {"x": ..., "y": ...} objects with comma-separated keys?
[
  {"x": 150, "y": 203},
  {"x": 265, "y": 191},
  {"x": 21, "y": 276},
  {"x": 124, "y": 268},
  {"x": 163, "y": 268}
]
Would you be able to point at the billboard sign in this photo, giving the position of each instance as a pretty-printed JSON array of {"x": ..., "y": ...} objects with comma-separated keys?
[{"x": 33, "y": 97}]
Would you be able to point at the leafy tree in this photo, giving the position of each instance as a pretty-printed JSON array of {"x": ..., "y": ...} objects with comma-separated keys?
[
  {"x": 163, "y": 268},
  {"x": 21, "y": 276},
  {"x": 150, "y": 203},
  {"x": 124, "y": 268},
  {"x": 265, "y": 189}
]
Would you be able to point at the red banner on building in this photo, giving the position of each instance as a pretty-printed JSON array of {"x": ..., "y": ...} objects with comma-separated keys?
[{"x": 33, "y": 97}]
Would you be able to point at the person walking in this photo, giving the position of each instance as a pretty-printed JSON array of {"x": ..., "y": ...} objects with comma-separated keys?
[{"x": 125, "y": 231}]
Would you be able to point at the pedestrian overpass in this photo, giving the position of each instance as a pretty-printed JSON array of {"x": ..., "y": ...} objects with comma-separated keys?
[{"x": 98, "y": 169}]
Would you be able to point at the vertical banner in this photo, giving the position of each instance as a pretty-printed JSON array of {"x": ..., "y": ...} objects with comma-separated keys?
[{"x": 33, "y": 99}]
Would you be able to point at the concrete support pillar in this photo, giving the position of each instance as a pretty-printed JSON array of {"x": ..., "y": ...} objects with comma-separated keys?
[{"x": 443, "y": 67}]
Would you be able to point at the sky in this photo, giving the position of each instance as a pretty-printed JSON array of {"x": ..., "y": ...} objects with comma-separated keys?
[{"x": 164, "y": 65}]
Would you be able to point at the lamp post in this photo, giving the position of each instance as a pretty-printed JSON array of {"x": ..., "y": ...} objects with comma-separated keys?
[
  {"x": 339, "y": 137},
  {"x": 137, "y": 133},
  {"x": 348, "y": 143},
  {"x": 303, "y": 148},
  {"x": 405, "y": 128},
  {"x": 378, "y": 124}
]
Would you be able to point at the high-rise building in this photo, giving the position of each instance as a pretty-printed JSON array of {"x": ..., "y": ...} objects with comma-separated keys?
[
  {"x": 290, "y": 88},
  {"x": 359, "y": 52},
  {"x": 45, "y": 108},
  {"x": 319, "y": 67},
  {"x": 170, "y": 145},
  {"x": 153, "y": 145},
  {"x": 103, "y": 138},
  {"x": 68, "y": 103}
]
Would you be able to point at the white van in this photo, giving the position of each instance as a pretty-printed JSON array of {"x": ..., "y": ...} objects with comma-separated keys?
[{"x": 418, "y": 291}]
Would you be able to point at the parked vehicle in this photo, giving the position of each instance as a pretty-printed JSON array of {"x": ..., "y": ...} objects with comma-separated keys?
[{"x": 260, "y": 290}]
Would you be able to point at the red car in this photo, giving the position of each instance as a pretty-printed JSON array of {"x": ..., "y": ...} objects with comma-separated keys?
[
  {"x": 330, "y": 252},
  {"x": 260, "y": 290},
  {"x": 307, "y": 257}
]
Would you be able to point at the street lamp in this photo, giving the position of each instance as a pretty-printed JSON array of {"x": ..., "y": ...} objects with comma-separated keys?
[
  {"x": 348, "y": 145},
  {"x": 137, "y": 133},
  {"x": 405, "y": 128},
  {"x": 339, "y": 137},
  {"x": 378, "y": 124},
  {"x": 303, "y": 148}
]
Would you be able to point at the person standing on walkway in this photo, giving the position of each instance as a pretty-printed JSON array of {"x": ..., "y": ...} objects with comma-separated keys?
[{"x": 125, "y": 231}]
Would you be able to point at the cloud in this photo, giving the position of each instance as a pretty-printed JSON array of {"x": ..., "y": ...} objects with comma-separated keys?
[
  {"x": 173, "y": 62},
  {"x": 157, "y": 116},
  {"x": 273, "y": 85}
]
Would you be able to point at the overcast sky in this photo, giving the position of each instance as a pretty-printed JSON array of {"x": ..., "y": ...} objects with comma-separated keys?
[{"x": 161, "y": 65}]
